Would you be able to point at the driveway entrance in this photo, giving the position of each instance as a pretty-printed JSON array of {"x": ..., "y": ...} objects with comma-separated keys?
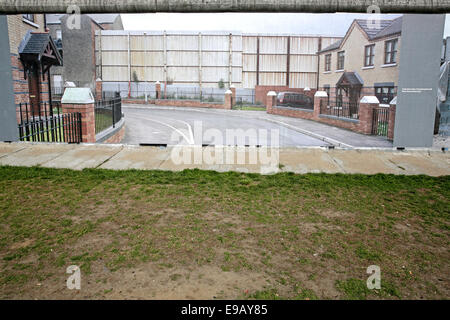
[{"x": 155, "y": 125}]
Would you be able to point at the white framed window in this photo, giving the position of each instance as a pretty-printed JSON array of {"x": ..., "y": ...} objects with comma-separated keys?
[
  {"x": 57, "y": 84},
  {"x": 390, "y": 51},
  {"x": 340, "y": 60},
  {"x": 328, "y": 62},
  {"x": 29, "y": 17},
  {"x": 369, "y": 54}
]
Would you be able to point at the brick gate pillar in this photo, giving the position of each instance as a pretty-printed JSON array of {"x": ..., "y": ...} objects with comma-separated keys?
[
  {"x": 271, "y": 101},
  {"x": 81, "y": 100},
  {"x": 158, "y": 90},
  {"x": 320, "y": 97},
  {"x": 228, "y": 100},
  {"x": 233, "y": 95},
  {"x": 98, "y": 89},
  {"x": 391, "y": 124},
  {"x": 366, "y": 106}
]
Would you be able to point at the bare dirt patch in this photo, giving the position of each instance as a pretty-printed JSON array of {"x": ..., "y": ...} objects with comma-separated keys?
[{"x": 22, "y": 244}]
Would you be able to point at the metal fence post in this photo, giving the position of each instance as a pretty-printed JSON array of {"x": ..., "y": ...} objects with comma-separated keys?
[
  {"x": 113, "y": 113},
  {"x": 80, "y": 132}
]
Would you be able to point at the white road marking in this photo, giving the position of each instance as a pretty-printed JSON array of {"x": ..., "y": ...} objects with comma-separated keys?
[
  {"x": 168, "y": 125},
  {"x": 311, "y": 134},
  {"x": 191, "y": 133}
]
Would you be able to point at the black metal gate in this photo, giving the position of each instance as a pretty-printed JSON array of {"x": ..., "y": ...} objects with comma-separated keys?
[
  {"x": 380, "y": 121},
  {"x": 48, "y": 124}
]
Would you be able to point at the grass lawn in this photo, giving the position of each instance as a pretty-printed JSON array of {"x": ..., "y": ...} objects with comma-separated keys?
[
  {"x": 249, "y": 108},
  {"x": 201, "y": 234}
]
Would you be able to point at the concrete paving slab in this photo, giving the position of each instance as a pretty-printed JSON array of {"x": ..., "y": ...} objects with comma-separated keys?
[
  {"x": 8, "y": 148},
  {"x": 36, "y": 154},
  {"x": 298, "y": 160},
  {"x": 421, "y": 163},
  {"x": 363, "y": 161},
  {"x": 312, "y": 160},
  {"x": 215, "y": 158},
  {"x": 130, "y": 157},
  {"x": 84, "y": 156},
  {"x": 440, "y": 158}
]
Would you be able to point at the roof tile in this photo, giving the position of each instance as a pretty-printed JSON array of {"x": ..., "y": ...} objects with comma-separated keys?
[
  {"x": 373, "y": 31},
  {"x": 36, "y": 43}
]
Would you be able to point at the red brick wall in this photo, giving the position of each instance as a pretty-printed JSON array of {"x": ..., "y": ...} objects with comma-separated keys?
[
  {"x": 117, "y": 137},
  {"x": 261, "y": 92},
  {"x": 87, "y": 119},
  {"x": 233, "y": 96},
  {"x": 137, "y": 101},
  {"x": 20, "y": 84},
  {"x": 189, "y": 103},
  {"x": 351, "y": 125},
  {"x": 271, "y": 102},
  {"x": 364, "y": 125},
  {"x": 179, "y": 103},
  {"x": 293, "y": 113},
  {"x": 391, "y": 124},
  {"x": 365, "y": 117},
  {"x": 346, "y": 124},
  {"x": 44, "y": 93},
  {"x": 158, "y": 90},
  {"x": 21, "y": 89},
  {"x": 229, "y": 98},
  {"x": 98, "y": 90}
]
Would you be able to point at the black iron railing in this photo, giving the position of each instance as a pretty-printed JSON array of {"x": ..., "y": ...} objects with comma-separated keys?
[
  {"x": 107, "y": 113},
  {"x": 195, "y": 94},
  {"x": 337, "y": 108},
  {"x": 46, "y": 123},
  {"x": 380, "y": 121},
  {"x": 246, "y": 99},
  {"x": 212, "y": 97}
]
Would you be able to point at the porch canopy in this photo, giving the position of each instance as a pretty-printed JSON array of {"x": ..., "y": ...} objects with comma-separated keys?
[
  {"x": 350, "y": 80},
  {"x": 38, "y": 48}
]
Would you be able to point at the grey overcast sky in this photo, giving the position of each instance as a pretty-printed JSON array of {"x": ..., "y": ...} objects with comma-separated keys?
[{"x": 292, "y": 23}]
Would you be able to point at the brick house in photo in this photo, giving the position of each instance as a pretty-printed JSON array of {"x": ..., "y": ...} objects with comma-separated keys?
[
  {"x": 32, "y": 54},
  {"x": 364, "y": 63}
]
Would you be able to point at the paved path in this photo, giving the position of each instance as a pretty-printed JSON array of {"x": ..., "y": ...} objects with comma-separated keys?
[
  {"x": 300, "y": 160},
  {"x": 155, "y": 125}
]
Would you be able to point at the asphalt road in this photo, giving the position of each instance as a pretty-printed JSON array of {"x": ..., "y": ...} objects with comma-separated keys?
[{"x": 162, "y": 125}]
